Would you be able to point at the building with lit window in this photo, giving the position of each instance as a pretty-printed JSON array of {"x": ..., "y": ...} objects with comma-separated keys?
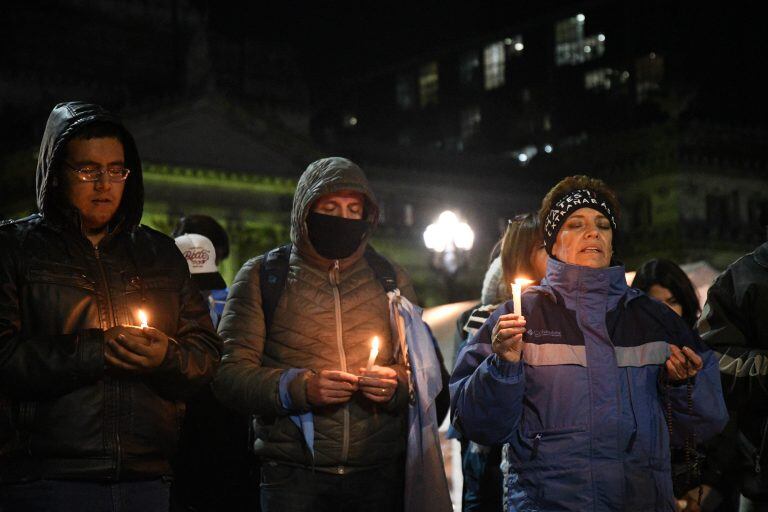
[{"x": 624, "y": 92}]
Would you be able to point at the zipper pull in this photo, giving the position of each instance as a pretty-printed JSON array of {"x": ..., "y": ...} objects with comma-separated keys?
[
  {"x": 334, "y": 274},
  {"x": 536, "y": 441}
]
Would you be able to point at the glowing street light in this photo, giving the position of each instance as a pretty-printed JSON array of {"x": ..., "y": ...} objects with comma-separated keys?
[
  {"x": 449, "y": 234},
  {"x": 450, "y": 240}
]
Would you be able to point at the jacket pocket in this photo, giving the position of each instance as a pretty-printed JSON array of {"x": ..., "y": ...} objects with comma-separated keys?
[
  {"x": 60, "y": 276},
  {"x": 158, "y": 280},
  {"x": 548, "y": 444}
]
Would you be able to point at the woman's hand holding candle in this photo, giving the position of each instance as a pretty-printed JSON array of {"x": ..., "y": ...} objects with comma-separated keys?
[{"x": 507, "y": 337}]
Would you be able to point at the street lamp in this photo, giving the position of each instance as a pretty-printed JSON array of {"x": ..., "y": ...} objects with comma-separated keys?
[{"x": 450, "y": 240}]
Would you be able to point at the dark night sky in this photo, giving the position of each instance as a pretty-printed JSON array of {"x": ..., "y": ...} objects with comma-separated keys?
[
  {"x": 724, "y": 44},
  {"x": 342, "y": 37}
]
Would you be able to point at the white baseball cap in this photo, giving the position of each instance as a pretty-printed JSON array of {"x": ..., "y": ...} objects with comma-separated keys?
[{"x": 201, "y": 259}]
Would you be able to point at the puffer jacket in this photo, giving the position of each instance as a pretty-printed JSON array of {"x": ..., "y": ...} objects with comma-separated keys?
[
  {"x": 63, "y": 413},
  {"x": 582, "y": 415},
  {"x": 325, "y": 319}
]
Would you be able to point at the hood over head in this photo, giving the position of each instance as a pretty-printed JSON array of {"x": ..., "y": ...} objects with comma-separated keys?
[
  {"x": 64, "y": 122},
  {"x": 322, "y": 177},
  {"x": 495, "y": 290}
]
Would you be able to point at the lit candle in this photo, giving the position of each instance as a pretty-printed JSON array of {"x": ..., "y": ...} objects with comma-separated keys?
[
  {"x": 143, "y": 318},
  {"x": 374, "y": 352},
  {"x": 517, "y": 288}
]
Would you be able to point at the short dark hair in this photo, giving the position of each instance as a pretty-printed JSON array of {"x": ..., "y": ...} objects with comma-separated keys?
[
  {"x": 100, "y": 130},
  {"x": 209, "y": 228},
  {"x": 517, "y": 244},
  {"x": 667, "y": 274}
]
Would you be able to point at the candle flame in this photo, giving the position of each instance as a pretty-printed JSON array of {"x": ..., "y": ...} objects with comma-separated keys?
[
  {"x": 143, "y": 318},
  {"x": 522, "y": 281},
  {"x": 375, "y": 344}
]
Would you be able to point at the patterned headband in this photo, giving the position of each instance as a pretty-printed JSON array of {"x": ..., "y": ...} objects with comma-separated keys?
[{"x": 569, "y": 203}]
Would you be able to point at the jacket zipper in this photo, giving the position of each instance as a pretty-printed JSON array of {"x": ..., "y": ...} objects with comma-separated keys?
[
  {"x": 111, "y": 383},
  {"x": 758, "y": 468},
  {"x": 535, "y": 450},
  {"x": 334, "y": 279}
]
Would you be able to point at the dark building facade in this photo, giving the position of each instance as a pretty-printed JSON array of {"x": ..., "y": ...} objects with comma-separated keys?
[{"x": 640, "y": 94}]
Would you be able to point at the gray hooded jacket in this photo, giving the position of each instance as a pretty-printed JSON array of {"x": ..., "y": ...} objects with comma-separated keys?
[{"x": 325, "y": 320}]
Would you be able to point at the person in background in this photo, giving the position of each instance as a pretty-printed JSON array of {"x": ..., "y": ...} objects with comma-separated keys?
[
  {"x": 213, "y": 231},
  {"x": 522, "y": 255},
  {"x": 734, "y": 324},
  {"x": 214, "y": 448},
  {"x": 664, "y": 281},
  {"x": 577, "y": 387},
  {"x": 201, "y": 259}
]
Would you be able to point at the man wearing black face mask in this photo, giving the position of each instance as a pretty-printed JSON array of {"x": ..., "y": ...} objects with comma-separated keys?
[{"x": 333, "y": 431}]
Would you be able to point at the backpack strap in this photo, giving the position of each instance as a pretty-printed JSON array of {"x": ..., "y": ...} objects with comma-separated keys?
[
  {"x": 272, "y": 276},
  {"x": 274, "y": 272},
  {"x": 382, "y": 269}
]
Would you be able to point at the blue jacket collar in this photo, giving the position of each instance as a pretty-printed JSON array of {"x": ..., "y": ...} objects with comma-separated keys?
[{"x": 572, "y": 282}]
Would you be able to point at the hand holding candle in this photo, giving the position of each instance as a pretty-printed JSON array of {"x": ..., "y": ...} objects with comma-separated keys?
[{"x": 374, "y": 353}]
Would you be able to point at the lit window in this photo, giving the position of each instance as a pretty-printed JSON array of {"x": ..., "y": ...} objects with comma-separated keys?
[
  {"x": 470, "y": 120},
  {"x": 428, "y": 84},
  {"x": 649, "y": 72},
  {"x": 493, "y": 60},
  {"x": 514, "y": 45},
  {"x": 594, "y": 46},
  {"x": 572, "y": 46},
  {"x": 598, "y": 79},
  {"x": 468, "y": 68},
  {"x": 404, "y": 91}
]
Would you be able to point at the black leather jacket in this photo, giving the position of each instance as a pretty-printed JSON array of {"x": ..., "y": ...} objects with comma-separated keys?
[{"x": 63, "y": 413}]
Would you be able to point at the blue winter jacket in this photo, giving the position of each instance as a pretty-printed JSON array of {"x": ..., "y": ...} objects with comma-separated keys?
[{"x": 583, "y": 415}]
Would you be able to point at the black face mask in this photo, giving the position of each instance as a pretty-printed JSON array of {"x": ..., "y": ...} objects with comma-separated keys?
[{"x": 334, "y": 237}]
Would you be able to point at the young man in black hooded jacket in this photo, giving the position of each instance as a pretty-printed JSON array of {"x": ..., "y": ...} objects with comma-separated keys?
[{"x": 90, "y": 402}]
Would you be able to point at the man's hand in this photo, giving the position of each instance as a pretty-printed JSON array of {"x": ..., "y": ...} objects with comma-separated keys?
[
  {"x": 135, "y": 349},
  {"x": 330, "y": 387},
  {"x": 507, "y": 337},
  {"x": 710, "y": 499},
  {"x": 682, "y": 364},
  {"x": 378, "y": 384}
]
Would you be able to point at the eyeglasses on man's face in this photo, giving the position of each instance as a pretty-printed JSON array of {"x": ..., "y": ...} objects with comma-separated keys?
[{"x": 94, "y": 173}]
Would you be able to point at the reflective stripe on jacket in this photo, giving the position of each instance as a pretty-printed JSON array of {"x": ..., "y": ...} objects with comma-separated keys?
[{"x": 583, "y": 414}]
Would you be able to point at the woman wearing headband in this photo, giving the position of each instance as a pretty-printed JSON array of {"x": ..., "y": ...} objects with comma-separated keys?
[{"x": 587, "y": 388}]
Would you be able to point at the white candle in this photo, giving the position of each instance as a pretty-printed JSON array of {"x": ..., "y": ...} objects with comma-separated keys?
[
  {"x": 143, "y": 318},
  {"x": 374, "y": 352},
  {"x": 517, "y": 288}
]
